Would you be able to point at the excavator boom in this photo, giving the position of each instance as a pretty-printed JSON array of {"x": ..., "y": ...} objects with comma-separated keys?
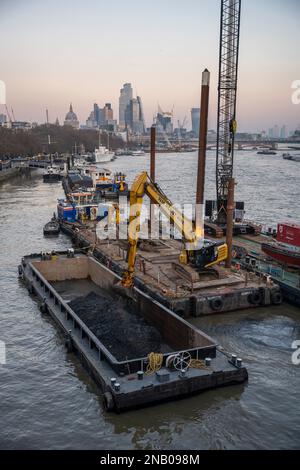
[{"x": 202, "y": 252}]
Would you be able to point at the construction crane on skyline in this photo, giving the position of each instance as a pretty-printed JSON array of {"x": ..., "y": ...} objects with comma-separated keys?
[
  {"x": 179, "y": 129},
  {"x": 8, "y": 114},
  {"x": 13, "y": 114}
]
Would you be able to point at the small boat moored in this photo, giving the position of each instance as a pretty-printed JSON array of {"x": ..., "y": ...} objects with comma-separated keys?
[
  {"x": 293, "y": 158},
  {"x": 137, "y": 153},
  {"x": 53, "y": 174},
  {"x": 52, "y": 228},
  {"x": 285, "y": 249},
  {"x": 266, "y": 152}
]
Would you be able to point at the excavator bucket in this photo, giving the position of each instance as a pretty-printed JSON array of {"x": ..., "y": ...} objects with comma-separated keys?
[
  {"x": 125, "y": 292},
  {"x": 124, "y": 288}
]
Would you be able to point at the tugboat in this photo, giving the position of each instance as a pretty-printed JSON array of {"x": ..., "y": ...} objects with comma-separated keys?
[
  {"x": 52, "y": 228},
  {"x": 286, "y": 248},
  {"x": 53, "y": 174},
  {"x": 137, "y": 153}
]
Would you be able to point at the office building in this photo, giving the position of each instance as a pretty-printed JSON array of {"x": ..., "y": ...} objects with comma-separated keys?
[
  {"x": 164, "y": 121},
  {"x": 195, "y": 115},
  {"x": 276, "y": 132},
  {"x": 134, "y": 117},
  {"x": 107, "y": 113},
  {"x": 101, "y": 117},
  {"x": 283, "y": 132},
  {"x": 126, "y": 94}
]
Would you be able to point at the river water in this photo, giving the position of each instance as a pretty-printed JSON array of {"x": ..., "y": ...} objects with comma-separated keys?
[{"x": 48, "y": 401}]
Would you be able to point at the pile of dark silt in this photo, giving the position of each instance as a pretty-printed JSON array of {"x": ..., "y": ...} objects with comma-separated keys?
[{"x": 125, "y": 334}]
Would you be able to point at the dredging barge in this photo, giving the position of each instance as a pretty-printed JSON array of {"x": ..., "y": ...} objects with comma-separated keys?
[
  {"x": 187, "y": 362},
  {"x": 156, "y": 276}
]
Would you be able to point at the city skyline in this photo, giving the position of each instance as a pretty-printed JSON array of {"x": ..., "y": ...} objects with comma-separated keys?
[{"x": 75, "y": 61}]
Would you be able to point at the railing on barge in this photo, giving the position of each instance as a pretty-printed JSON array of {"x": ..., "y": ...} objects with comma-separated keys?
[{"x": 83, "y": 333}]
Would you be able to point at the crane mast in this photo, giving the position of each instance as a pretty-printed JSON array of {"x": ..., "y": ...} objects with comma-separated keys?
[{"x": 227, "y": 90}]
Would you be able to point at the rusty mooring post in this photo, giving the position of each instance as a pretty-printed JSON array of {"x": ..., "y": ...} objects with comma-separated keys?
[
  {"x": 152, "y": 153},
  {"x": 202, "y": 152},
  {"x": 152, "y": 175},
  {"x": 229, "y": 227}
]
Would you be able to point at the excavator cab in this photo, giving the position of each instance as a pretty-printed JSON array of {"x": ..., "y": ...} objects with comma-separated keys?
[{"x": 211, "y": 253}]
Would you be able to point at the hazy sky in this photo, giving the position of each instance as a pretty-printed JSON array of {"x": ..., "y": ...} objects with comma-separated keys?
[{"x": 54, "y": 52}]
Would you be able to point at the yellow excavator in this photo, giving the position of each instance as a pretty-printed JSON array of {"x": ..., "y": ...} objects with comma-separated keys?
[{"x": 197, "y": 251}]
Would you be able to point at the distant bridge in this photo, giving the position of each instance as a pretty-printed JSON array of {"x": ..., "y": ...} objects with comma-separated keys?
[
  {"x": 252, "y": 144},
  {"x": 27, "y": 163}
]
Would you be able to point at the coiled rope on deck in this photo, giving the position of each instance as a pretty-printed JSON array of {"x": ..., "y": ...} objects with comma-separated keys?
[
  {"x": 197, "y": 364},
  {"x": 155, "y": 361}
]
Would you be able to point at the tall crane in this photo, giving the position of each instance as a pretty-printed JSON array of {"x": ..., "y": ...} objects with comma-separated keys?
[
  {"x": 180, "y": 128},
  {"x": 13, "y": 114},
  {"x": 227, "y": 91},
  {"x": 8, "y": 114}
]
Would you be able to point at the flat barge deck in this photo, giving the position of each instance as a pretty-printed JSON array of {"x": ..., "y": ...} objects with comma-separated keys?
[
  {"x": 288, "y": 279},
  {"x": 190, "y": 361},
  {"x": 158, "y": 275}
]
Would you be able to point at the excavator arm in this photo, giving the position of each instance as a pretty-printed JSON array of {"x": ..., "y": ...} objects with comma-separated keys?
[
  {"x": 137, "y": 192},
  {"x": 197, "y": 250}
]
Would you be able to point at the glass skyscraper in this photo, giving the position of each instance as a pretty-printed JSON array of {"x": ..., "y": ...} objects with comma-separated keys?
[
  {"x": 195, "y": 114},
  {"x": 126, "y": 94}
]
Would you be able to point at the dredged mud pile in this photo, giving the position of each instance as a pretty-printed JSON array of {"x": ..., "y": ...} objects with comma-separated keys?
[{"x": 125, "y": 334}]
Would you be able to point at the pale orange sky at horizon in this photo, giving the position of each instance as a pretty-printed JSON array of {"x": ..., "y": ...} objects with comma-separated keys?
[{"x": 83, "y": 52}]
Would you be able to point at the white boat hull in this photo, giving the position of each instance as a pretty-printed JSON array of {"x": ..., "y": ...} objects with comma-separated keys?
[{"x": 104, "y": 157}]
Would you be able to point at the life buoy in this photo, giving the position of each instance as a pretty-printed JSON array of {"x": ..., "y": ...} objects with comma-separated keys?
[
  {"x": 216, "y": 304},
  {"x": 254, "y": 298},
  {"x": 276, "y": 297}
]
